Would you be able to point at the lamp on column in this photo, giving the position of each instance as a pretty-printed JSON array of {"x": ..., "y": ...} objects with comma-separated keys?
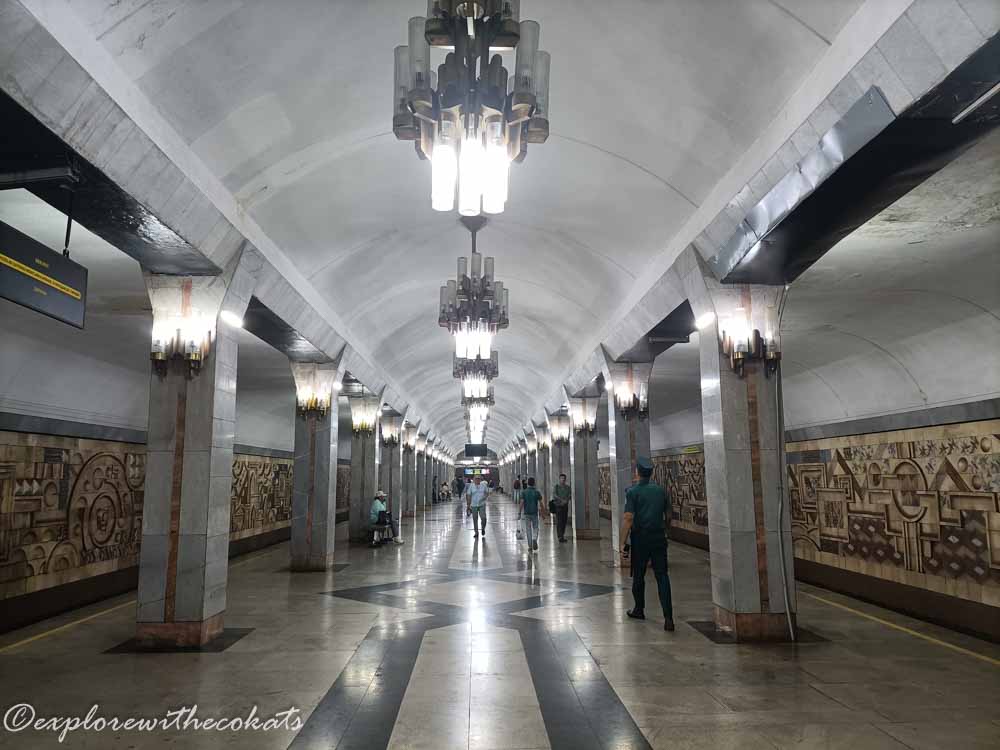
[
  {"x": 314, "y": 386},
  {"x": 559, "y": 426},
  {"x": 583, "y": 415},
  {"x": 391, "y": 426},
  {"x": 364, "y": 414},
  {"x": 183, "y": 337},
  {"x": 742, "y": 342}
]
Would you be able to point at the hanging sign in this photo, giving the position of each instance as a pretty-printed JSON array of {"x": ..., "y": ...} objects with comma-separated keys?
[{"x": 34, "y": 276}]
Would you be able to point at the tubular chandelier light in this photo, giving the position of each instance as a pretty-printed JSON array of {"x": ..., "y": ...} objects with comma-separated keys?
[
  {"x": 473, "y": 307},
  {"x": 470, "y": 119}
]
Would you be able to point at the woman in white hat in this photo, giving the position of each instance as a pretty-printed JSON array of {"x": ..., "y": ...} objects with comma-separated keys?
[{"x": 380, "y": 516}]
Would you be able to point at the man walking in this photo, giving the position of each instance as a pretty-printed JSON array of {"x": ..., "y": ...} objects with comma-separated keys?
[
  {"x": 475, "y": 502},
  {"x": 646, "y": 509},
  {"x": 517, "y": 488},
  {"x": 531, "y": 503},
  {"x": 561, "y": 496}
]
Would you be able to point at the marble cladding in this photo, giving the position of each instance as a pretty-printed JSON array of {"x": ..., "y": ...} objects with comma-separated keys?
[
  {"x": 71, "y": 508},
  {"x": 919, "y": 507}
]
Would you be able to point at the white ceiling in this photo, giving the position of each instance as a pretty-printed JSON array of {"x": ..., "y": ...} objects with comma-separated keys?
[
  {"x": 902, "y": 314},
  {"x": 288, "y": 104}
]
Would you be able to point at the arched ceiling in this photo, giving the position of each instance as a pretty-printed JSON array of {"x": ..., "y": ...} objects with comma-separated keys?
[
  {"x": 288, "y": 104},
  {"x": 901, "y": 315}
]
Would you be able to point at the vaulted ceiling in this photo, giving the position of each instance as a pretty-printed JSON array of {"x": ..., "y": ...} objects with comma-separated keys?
[{"x": 289, "y": 105}]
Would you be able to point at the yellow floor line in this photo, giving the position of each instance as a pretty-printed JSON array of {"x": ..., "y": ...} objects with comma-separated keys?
[
  {"x": 68, "y": 625},
  {"x": 894, "y": 626}
]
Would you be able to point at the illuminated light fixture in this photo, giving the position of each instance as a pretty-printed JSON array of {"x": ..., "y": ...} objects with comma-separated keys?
[
  {"x": 742, "y": 343},
  {"x": 469, "y": 122},
  {"x": 630, "y": 403},
  {"x": 703, "y": 321},
  {"x": 183, "y": 337},
  {"x": 559, "y": 428},
  {"x": 583, "y": 415},
  {"x": 314, "y": 386},
  {"x": 364, "y": 414},
  {"x": 231, "y": 319},
  {"x": 391, "y": 426}
]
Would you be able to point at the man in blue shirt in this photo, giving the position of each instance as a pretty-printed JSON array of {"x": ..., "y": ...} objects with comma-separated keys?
[
  {"x": 475, "y": 501},
  {"x": 531, "y": 503},
  {"x": 379, "y": 515}
]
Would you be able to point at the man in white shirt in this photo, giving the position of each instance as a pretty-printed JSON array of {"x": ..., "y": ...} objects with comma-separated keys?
[{"x": 475, "y": 501}]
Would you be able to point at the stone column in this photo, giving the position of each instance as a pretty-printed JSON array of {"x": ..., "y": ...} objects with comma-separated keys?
[
  {"x": 364, "y": 467},
  {"x": 409, "y": 469},
  {"x": 314, "y": 476},
  {"x": 543, "y": 458},
  {"x": 421, "y": 475},
  {"x": 744, "y": 460},
  {"x": 390, "y": 461},
  {"x": 628, "y": 431},
  {"x": 583, "y": 478},
  {"x": 184, "y": 555}
]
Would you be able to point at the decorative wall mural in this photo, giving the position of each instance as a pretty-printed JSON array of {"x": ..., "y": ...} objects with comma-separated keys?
[
  {"x": 604, "y": 487},
  {"x": 920, "y": 507},
  {"x": 261, "y": 495},
  {"x": 72, "y": 508},
  {"x": 683, "y": 476},
  {"x": 343, "y": 487}
]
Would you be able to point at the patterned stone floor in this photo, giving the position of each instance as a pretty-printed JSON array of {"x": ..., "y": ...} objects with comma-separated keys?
[{"x": 450, "y": 642}]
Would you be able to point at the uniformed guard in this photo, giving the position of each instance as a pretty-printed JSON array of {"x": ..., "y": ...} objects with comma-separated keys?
[{"x": 646, "y": 509}]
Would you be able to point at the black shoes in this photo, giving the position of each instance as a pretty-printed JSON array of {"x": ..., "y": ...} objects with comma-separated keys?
[
  {"x": 668, "y": 625},
  {"x": 534, "y": 545},
  {"x": 562, "y": 539},
  {"x": 636, "y": 614}
]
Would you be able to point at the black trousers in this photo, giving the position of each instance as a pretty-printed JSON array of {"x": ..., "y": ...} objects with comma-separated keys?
[
  {"x": 642, "y": 554},
  {"x": 562, "y": 516}
]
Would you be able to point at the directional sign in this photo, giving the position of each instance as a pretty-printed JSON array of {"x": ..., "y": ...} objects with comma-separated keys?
[{"x": 35, "y": 276}]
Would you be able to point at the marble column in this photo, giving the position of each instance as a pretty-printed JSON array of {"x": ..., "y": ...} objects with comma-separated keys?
[
  {"x": 744, "y": 461},
  {"x": 390, "y": 465},
  {"x": 184, "y": 555},
  {"x": 314, "y": 476},
  {"x": 543, "y": 459},
  {"x": 583, "y": 473},
  {"x": 409, "y": 469},
  {"x": 364, "y": 462},
  {"x": 628, "y": 432},
  {"x": 422, "y": 460}
]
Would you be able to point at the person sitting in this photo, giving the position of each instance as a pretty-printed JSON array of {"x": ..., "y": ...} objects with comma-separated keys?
[
  {"x": 445, "y": 493},
  {"x": 379, "y": 516}
]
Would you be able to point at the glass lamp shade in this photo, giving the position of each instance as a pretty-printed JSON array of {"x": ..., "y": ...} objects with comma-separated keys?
[
  {"x": 420, "y": 55},
  {"x": 470, "y": 168},
  {"x": 524, "y": 66},
  {"x": 542, "y": 63},
  {"x": 444, "y": 174},
  {"x": 401, "y": 81}
]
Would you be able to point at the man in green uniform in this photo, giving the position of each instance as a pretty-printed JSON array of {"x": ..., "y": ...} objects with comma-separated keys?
[
  {"x": 646, "y": 509},
  {"x": 562, "y": 495}
]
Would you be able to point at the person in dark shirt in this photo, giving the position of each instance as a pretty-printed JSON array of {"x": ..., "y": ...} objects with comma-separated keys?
[
  {"x": 529, "y": 507},
  {"x": 647, "y": 509},
  {"x": 561, "y": 496}
]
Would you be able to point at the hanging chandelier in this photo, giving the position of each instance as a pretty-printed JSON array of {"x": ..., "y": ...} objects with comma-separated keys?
[
  {"x": 474, "y": 306},
  {"x": 469, "y": 120}
]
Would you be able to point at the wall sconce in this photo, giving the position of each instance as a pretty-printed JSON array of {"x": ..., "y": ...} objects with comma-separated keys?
[
  {"x": 314, "y": 386},
  {"x": 391, "y": 429},
  {"x": 632, "y": 405},
  {"x": 364, "y": 414},
  {"x": 559, "y": 426},
  {"x": 410, "y": 437},
  {"x": 187, "y": 338},
  {"x": 741, "y": 343}
]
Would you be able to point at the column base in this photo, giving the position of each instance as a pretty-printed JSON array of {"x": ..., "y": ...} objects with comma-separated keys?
[
  {"x": 588, "y": 533},
  {"x": 312, "y": 564},
  {"x": 749, "y": 627},
  {"x": 177, "y": 634}
]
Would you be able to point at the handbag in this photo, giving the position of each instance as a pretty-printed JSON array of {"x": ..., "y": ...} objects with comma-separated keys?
[{"x": 552, "y": 506}]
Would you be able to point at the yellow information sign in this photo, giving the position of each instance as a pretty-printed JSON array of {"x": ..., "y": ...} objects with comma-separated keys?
[{"x": 39, "y": 276}]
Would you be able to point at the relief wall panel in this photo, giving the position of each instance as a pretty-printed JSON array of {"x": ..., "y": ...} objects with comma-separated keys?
[
  {"x": 919, "y": 507},
  {"x": 71, "y": 508}
]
